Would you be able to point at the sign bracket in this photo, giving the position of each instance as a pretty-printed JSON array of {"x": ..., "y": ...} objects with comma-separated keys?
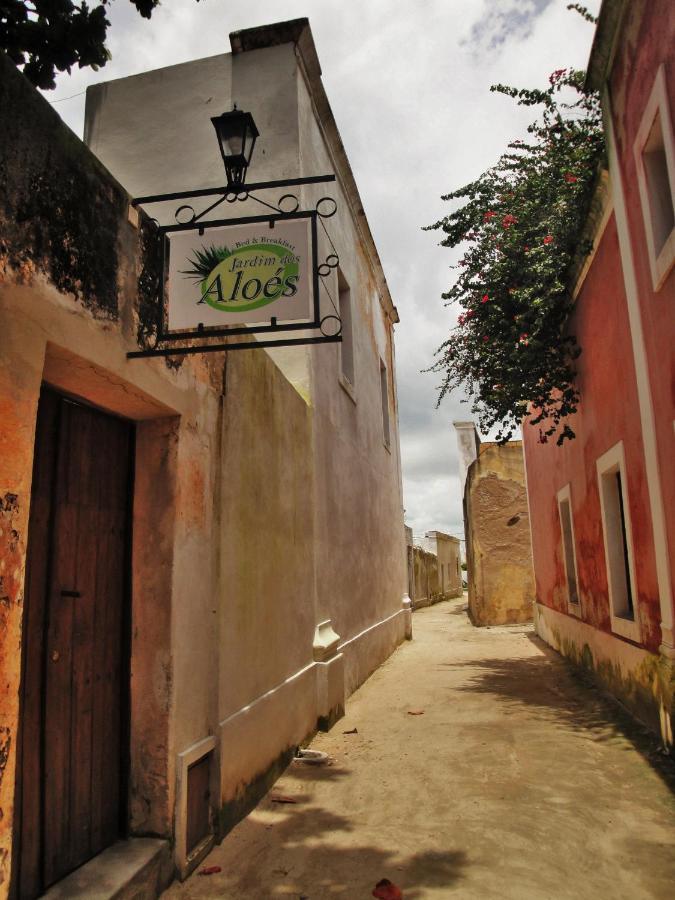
[{"x": 312, "y": 329}]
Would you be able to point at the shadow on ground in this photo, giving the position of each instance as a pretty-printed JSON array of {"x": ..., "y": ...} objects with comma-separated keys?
[
  {"x": 569, "y": 697},
  {"x": 313, "y": 866},
  {"x": 311, "y": 773}
]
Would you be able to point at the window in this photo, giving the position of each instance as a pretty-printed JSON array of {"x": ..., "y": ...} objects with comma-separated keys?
[
  {"x": 347, "y": 344},
  {"x": 655, "y": 162},
  {"x": 384, "y": 389},
  {"x": 618, "y": 542},
  {"x": 569, "y": 553}
]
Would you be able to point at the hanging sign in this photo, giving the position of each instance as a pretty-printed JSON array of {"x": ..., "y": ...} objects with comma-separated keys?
[{"x": 241, "y": 274}]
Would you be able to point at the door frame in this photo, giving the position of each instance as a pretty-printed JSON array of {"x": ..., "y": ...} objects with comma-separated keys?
[
  {"x": 125, "y": 642},
  {"x": 151, "y": 767}
]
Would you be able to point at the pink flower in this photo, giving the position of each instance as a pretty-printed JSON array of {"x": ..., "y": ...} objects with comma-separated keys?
[
  {"x": 485, "y": 338},
  {"x": 523, "y": 339},
  {"x": 485, "y": 298},
  {"x": 470, "y": 314},
  {"x": 548, "y": 239},
  {"x": 569, "y": 178},
  {"x": 508, "y": 220},
  {"x": 489, "y": 215}
]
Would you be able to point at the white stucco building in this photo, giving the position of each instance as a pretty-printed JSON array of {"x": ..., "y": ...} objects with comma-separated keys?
[{"x": 267, "y": 564}]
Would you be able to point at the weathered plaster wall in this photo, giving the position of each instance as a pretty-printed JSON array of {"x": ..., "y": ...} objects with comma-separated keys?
[
  {"x": 640, "y": 680},
  {"x": 647, "y": 40},
  {"x": 360, "y": 502},
  {"x": 434, "y": 572},
  {"x": 449, "y": 562},
  {"x": 267, "y": 495},
  {"x": 75, "y": 278},
  {"x": 264, "y": 504},
  {"x": 499, "y": 558},
  {"x": 607, "y": 415},
  {"x": 613, "y": 409},
  {"x": 426, "y": 581}
]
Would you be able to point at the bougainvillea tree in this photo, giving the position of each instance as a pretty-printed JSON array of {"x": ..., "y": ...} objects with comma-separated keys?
[{"x": 520, "y": 226}]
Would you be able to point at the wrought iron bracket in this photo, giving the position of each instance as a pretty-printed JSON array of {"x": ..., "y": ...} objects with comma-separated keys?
[{"x": 287, "y": 207}]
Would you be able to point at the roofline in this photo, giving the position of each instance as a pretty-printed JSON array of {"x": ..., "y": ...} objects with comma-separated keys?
[
  {"x": 604, "y": 43},
  {"x": 298, "y": 32}
]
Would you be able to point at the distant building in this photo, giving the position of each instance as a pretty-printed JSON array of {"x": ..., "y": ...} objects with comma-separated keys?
[
  {"x": 497, "y": 529},
  {"x": 434, "y": 568},
  {"x": 603, "y": 505},
  {"x": 201, "y": 558}
]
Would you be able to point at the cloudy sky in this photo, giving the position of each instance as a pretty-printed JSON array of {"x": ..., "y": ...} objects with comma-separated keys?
[{"x": 408, "y": 81}]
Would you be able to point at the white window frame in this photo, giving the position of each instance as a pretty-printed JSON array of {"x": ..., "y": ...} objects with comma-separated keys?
[
  {"x": 610, "y": 463},
  {"x": 564, "y": 496},
  {"x": 384, "y": 395},
  {"x": 660, "y": 263},
  {"x": 346, "y": 310},
  {"x": 185, "y": 860}
]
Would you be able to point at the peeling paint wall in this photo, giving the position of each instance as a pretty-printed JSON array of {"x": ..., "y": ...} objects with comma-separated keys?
[
  {"x": 625, "y": 378},
  {"x": 496, "y": 519}
]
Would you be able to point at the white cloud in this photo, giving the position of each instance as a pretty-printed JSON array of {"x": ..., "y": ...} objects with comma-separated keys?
[{"x": 409, "y": 85}]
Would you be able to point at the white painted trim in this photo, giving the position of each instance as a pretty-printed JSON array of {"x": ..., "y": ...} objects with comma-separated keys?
[
  {"x": 346, "y": 385},
  {"x": 607, "y": 210},
  {"x": 186, "y": 759},
  {"x": 647, "y": 420},
  {"x": 565, "y": 495},
  {"x": 365, "y": 631},
  {"x": 660, "y": 264},
  {"x": 267, "y": 694},
  {"x": 610, "y": 462}
]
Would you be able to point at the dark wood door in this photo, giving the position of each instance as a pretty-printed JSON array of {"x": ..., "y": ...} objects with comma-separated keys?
[{"x": 73, "y": 741}]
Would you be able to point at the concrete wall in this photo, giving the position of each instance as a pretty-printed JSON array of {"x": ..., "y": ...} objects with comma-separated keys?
[
  {"x": 625, "y": 326},
  {"x": 496, "y": 521},
  {"x": 269, "y": 555}
]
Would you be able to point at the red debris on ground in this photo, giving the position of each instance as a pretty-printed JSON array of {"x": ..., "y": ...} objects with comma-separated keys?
[
  {"x": 210, "y": 870},
  {"x": 387, "y": 890}
]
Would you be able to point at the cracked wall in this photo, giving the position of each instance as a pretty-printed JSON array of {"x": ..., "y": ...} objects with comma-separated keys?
[{"x": 499, "y": 555}]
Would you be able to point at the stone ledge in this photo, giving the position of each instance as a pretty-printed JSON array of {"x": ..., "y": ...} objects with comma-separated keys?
[{"x": 137, "y": 869}]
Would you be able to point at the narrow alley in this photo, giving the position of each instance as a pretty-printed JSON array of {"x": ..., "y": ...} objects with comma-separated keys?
[{"x": 472, "y": 764}]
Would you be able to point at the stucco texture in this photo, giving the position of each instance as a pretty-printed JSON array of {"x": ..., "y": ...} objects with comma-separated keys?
[
  {"x": 647, "y": 40},
  {"x": 265, "y": 502},
  {"x": 499, "y": 558},
  {"x": 625, "y": 377}
]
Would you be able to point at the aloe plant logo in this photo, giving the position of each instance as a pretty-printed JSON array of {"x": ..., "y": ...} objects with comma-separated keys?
[{"x": 248, "y": 277}]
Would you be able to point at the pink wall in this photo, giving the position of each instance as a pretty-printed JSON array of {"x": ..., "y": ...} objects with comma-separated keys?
[
  {"x": 648, "y": 39},
  {"x": 608, "y": 414},
  {"x": 609, "y": 409}
]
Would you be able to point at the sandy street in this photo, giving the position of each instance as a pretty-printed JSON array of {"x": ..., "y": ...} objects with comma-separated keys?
[{"x": 516, "y": 781}]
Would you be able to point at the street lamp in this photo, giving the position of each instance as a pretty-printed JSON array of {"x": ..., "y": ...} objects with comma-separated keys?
[{"x": 237, "y": 133}]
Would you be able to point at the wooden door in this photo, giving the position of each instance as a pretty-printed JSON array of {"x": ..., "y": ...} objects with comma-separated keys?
[{"x": 74, "y": 705}]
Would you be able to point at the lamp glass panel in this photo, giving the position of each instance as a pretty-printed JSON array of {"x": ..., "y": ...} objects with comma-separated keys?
[{"x": 231, "y": 139}]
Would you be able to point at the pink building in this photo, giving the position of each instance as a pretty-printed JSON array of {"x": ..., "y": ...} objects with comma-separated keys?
[{"x": 601, "y": 507}]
